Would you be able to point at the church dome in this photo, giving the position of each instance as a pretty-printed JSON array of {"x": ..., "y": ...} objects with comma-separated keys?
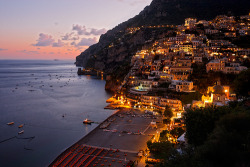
[{"x": 218, "y": 89}]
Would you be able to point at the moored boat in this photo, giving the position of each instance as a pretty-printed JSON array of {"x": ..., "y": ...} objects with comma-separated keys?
[
  {"x": 21, "y": 132},
  {"x": 20, "y": 126},
  {"x": 87, "y": 121},
  {"x": 10, "y": 123}
]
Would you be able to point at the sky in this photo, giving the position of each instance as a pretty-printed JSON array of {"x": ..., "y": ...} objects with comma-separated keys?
[{"x": 58, "y": 29}]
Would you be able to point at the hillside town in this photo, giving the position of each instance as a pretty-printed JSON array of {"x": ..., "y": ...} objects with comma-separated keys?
[
  {"x": 189, "y": 68},
  {"x": 161, "y": 74}
]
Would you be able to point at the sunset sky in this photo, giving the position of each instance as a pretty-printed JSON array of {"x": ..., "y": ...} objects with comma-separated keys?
[{"x": 58, "y": 29}]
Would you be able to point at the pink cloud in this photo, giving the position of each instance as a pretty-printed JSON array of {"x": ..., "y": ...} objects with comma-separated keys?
[
  {"x": 86, "y": 42},
  {"x": 1, "y": 49},
  {"x": 44, "y": 40},
  {"x": 58, "y": 44},
  {"x": 82, "y": 30}
]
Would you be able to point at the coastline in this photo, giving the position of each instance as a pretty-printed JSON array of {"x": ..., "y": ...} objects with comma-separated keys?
[
  {"x": 127, "y": 134},
  {"x": 86, "y": 136}
]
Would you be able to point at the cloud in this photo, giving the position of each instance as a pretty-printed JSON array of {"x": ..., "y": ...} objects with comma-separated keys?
[
  {"x": 29, "y": 51},
  {"x": 82, "y": 30},
  {"x": 98, "y": 32},
  {"x": 44, "y": 40},
  {"x": 1, "y": 49},
  {"x": 85, "y": 42},
  {"x": 67, "y": 36},
  {"x": 70, "y": 36},
  {"x": 58, "y": 44},
  {"x": 73, "y": 43}
]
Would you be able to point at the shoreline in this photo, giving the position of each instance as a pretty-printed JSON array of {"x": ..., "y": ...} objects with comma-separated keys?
[
  {"x": 73, "y": 145},
  {"x": 127, "y": 132}
]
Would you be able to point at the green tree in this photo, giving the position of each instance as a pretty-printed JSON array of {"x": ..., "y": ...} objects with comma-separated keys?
[
  {"x": 229, "y": 143},
  {"x": 241, "y": 84},
  {"x": 226, "y": 141},
  {"x": 177, "y": 132},
  {"x": 161, "y": 150},
  {"x": 168, "y": 112},
  {"x": 201, "y": 122},
  {"x": 167, "y": 121}
]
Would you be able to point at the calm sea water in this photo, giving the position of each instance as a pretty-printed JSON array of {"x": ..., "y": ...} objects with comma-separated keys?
[{"x": 38, "y": 94}]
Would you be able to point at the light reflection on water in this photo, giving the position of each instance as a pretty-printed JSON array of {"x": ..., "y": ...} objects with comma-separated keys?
[{"x": 38, "y": 94}]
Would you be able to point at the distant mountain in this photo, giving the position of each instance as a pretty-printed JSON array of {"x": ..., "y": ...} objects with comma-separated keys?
[{"x": 104, "y": 57}]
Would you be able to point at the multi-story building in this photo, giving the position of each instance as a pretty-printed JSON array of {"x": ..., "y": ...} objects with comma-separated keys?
[
  {"x": 181, "y": 73},
  {"x": 197, "y": 59},
  {"x": 149, "y": 100},
  {"x": 175, "y": 104},
  {"x": 221, "y": 65},
  {"x": 181, "y": 86},
  {"x": 215, "y": 65},
  {"x": 233, "y": 68}
]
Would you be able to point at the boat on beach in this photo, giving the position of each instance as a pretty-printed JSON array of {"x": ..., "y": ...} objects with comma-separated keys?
[
  {"x": 10, "y": 123},
  {"x": 87, "y": 121},
  {"x": 21, "y": 132}
]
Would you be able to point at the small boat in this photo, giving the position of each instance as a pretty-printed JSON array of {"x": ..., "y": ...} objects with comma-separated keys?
[
  {"x": 10, "y": 123},
  {"x": 87, "y": 121},
  {"x": 21, "y": 132},
  {"x": 20, "y": 126}
]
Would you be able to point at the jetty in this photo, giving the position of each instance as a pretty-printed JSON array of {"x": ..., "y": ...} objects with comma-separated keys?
[{"x": 115, "y": 142}]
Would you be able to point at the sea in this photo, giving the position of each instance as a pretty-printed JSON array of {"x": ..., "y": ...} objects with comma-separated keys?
[{"x": 51, "y": 101}]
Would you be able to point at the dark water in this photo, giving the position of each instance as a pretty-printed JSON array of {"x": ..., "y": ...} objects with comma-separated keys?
[{"x": 38, "y": 94}]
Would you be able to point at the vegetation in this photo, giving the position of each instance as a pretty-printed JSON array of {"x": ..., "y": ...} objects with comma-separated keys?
[
  {"x": 177, "y": 132},
  {"x": 167, "y": 121},
  {"x": 241, "y": 84},
  {"x": 202, "y": 79},
  {"x": 161, "y": 150},
  {"x": 168, "y": 112},
  {"x": 201, "y": 122},
  {"x": 163, "y": 135},
  {"x": 187, "y": 98},
  {"x": 242, "y": 42},
  {"x": 219, "y": 136}
]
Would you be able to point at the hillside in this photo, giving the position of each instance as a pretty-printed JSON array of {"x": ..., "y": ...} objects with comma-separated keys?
[
  {"x": 113, "y": 52},
  {"x": 157, "y": 13}
]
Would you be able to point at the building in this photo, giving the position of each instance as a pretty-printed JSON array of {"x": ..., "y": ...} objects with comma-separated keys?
[
  {"x": 211, "y": 31},
  {"x": 216, "y": 95},
  {"x": 215, "y": 65},
  {"x": 233, "y": 68},
  {"x": 227, "y": 68},
  {"x": 149, "y": 100},
  {"x": 190, "y": 22},
  {"x": 181, "y": 73},
  {"x": 181, "y": 86},
  {"x": 174, "y": 104},
  {"x": 197, "y": 59}
]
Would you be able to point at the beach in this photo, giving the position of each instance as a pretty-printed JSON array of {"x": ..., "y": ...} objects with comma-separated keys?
[{"x": 127, "y": 134}]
